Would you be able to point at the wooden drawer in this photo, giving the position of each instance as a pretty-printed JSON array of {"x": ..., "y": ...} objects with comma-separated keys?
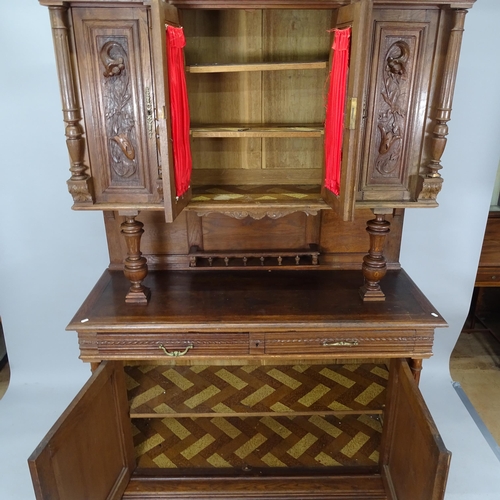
[
  {"x": 96, "y": 346},
  {"x": 195, "y": 346},
  {"x": 344, "y": 343},
  {"x": 227, "y": 448}
]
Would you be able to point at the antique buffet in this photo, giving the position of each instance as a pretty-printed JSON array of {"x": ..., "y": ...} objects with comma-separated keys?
[{"x": 254, "y": 335}]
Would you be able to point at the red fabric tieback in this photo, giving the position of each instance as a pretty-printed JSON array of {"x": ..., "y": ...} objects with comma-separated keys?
[
  {"x": 179, "y": 109},
  {"x": 334, "y": 123}
]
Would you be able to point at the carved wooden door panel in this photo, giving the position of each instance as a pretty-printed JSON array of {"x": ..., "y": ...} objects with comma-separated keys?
[
  {"x": 414, "y": 459},
  {"x": 401, "y": 73},
  {"x": 88, "y": 453},
  {"x": 163, "y": 14},
  {"x": 358, "y": 16},
  {"x": 113, "y": 51}
]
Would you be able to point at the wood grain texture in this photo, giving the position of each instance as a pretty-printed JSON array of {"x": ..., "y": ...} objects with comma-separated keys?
[
  {"x": 292, "y": 310},
  {"x": 123, "y": 157},
  {"x": 488, "y": 273},
  {"x": 88, "y": 452},
  {"x": 421, "y": 474},
  {"x": 343, "y": 487},
  {"x": 231, "y": 68},
  {"x": 396, "y": 110},
  {"x": 358, "y": 16},
  {"x": 161, "y": 15}
]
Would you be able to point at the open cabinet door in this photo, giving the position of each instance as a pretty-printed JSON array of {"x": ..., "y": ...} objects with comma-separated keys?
[
  {"x": 414, "y": 459},
  {"x": 88, "y": 454},
  {"x": 162, "y": 15},
  {"x": 357, "y": 16}
]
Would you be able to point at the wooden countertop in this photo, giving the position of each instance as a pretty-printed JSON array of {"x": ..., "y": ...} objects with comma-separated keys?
[{"x": 221, "y": 301}]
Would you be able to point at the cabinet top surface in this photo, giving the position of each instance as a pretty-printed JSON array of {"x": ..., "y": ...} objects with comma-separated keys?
[
  {"x": 303, "y": 4},
  {"x": 222, "y": 301}
]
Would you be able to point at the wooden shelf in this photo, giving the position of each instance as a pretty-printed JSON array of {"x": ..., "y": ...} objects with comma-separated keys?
[
  {"x": 235, "y": 68},
  {"x": 257, "y": 131}
]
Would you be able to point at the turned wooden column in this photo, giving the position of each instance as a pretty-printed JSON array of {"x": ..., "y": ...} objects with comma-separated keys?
[
  {"x": 430, "y": 184},
  {"x": 79, "y": 185},
  {"x": 135, "y": 265},
  {"x": 374, "y": 264},
  {"x": 416, "y": 368}
]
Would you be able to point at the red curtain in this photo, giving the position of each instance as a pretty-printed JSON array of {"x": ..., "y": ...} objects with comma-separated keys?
[
  {"x": 334, "y": 123},
  {"x": 179, "y": 109}
]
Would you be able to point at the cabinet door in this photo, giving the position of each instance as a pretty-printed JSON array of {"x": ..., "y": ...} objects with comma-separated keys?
[
  {"x": 358, "y": 16},
  {"x": 114, "y": 68},
  {"x": 414, "y": 459},
  {"x": 88, "y": 453},
  {"x": 162, "y": 15}
]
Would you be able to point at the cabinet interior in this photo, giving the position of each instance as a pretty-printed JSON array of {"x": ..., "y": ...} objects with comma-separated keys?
[
  {"x": 254, "y": 417},
  {"x": 257, "y": 83}
]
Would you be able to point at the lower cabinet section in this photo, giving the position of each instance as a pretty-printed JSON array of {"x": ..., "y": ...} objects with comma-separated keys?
[{"x": 336, "y": 431}]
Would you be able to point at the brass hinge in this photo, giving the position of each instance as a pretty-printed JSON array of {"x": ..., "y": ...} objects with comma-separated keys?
[{"x": 352, "y": 109}]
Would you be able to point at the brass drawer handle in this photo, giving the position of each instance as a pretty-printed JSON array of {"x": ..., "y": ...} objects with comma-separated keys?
[
  {"x": 341, "y": 344},
  {"x": 176, "y": 354}
]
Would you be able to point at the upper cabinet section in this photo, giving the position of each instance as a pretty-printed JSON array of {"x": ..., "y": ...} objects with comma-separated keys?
[{"x": 256, "y": 108}]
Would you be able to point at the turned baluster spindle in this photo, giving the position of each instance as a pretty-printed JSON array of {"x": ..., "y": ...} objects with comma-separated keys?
[
  {"x": 78, "y": 184},
  {"x": 374, "y": 263},
  {"x": 135, "y": 265},
  {"x": 431, "y": 184},
  {"x": 416, "y": 368}
]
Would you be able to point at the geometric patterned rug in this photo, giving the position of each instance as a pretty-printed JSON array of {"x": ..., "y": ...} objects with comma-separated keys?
[{"x": 256, "y": 416}]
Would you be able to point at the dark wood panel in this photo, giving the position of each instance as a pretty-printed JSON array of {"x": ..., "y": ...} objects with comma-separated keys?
[
  {"x": 261, "y": 300},
  {"x": 348, "y": 343},
  {"x": 414, "y": 459},
  {"x": 343, "y": 487},
  {"x": 88, "y": 452},
  {"x": 396, "y": 109},
  {"x": 114, "y": 60},
  {"x": 342, "y": 244},
  {"x": 174, "y": 347},
  {"x": 488, "y": 273}
]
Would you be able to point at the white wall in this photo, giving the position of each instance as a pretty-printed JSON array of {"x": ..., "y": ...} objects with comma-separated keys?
[{"x": 50, "y": 256}]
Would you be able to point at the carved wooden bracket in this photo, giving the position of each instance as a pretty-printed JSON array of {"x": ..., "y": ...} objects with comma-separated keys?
[
  {"x": 256, "y": 213},
  {"x": 79, "y": 184}
]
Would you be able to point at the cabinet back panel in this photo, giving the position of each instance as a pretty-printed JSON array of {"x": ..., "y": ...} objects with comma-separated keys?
[
  {"x": 288, "y": 97},
  {"x": 222, "y": 36},
  {"x": 341, "y": 244},
  {"x": 225, "y": 233}
]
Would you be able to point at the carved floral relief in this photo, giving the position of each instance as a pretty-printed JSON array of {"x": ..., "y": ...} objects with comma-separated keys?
[
  {"x": 118, "y": 108},
  {"x": 392, "y": 116}
]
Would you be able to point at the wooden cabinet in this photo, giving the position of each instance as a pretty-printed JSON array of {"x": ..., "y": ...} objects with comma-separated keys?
[
  {"x": 258, "y": 269},
  {"x": 386, "y": 447}
]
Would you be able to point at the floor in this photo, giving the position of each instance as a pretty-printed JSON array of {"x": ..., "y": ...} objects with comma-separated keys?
[{"x": 475, "y": 362}]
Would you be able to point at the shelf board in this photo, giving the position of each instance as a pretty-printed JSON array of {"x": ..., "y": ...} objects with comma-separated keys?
[
  {"x": 257, "y": 131},
  {"x": 262, "y": 66}
]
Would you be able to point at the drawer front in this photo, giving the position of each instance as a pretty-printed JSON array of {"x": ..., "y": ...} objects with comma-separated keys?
[
  {"x": 161, "y": 345},
  {"x": 355, "y": 343}
]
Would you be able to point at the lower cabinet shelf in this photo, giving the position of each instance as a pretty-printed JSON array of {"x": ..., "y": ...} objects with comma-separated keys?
[{"x": 333, "y": 430}]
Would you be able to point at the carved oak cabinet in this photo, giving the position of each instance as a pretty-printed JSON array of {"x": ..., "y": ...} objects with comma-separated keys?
[{"x": 250, "y": 339}]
